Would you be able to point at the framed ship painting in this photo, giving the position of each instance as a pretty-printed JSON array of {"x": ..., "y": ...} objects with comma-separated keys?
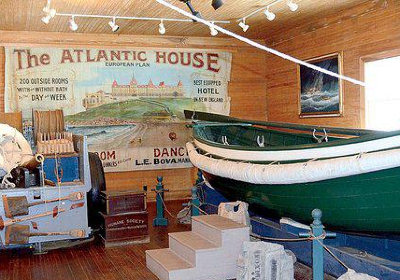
[{"x": 320, "y": 94}]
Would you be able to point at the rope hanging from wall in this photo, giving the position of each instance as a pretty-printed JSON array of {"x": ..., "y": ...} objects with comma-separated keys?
[{"x": 259, "y": 46}]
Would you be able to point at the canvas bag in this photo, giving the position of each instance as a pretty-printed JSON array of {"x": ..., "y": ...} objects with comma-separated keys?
[
  {"x": 236, "y": 211},
  {"x": 264, "y": 261}
]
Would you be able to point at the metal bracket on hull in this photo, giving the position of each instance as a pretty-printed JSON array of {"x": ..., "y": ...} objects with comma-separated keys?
[{"x": 321, "y": 139}]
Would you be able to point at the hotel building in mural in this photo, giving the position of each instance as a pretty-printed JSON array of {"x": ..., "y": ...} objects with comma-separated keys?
[{"x": 131, "y": 91}]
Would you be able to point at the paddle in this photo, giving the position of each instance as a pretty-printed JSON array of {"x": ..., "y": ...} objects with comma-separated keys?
[
  {"x": 19, "y": 234},
  {"x": 54, "y": 212},
  {"x": 19, "y": 206}
]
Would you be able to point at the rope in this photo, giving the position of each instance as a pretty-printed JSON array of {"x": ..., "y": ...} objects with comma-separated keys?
[
  {"x": 201, "y": 210},
  {"x": 206, "y": 203},
  {"x": 259, "y": 46},
  {"x": 166, "y": 208},
  {"x": 333, "y": 255},
  {"x": 2, "y": 246},
  {"x": 44, "y": 186},
  {"x": 312, "y": 237},
  {"x": 59, "y": 178}
]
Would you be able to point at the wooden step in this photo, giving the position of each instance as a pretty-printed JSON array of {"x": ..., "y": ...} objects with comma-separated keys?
[
  {"x": 193, "y": 240},
  {"x": 190, "y": 246},
  {"x": 219, "y": 230},
  {"x": 218, "y": 222},
  {"x": 167, "y": 265},
  {"x": 208, "y": 252}
]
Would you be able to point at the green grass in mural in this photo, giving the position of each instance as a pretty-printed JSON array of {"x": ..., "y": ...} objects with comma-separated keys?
[{"x": 138, "y": 109}]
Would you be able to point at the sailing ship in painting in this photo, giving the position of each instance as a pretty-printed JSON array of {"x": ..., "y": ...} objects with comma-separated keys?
[
  {"x": 288, "y": 170},
  {"x": 320, "y": 93}
]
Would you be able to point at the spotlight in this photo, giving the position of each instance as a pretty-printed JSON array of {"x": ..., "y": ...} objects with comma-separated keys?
[
  {"x": 213, "y": 31},
  {"x": 113, "y": 25},
  {"x": 50, "y": 12},
  {"x": 292, "y": 6},
  {"x": 161, "y": 28},
  {"x": 243, "y": 25},
  {"x": 270, "y": 15},
  {"x": 216, "y": 4},
  {"x": 191, "y": 8},
  {"x": 46, "y": 19},
  {"x": 72, "y": 24}
]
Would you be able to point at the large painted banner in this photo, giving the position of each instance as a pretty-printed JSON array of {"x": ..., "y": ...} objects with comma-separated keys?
[{"x": 128, "y": 102}]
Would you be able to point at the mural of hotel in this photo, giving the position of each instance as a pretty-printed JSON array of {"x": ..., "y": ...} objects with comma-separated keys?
[{"x": 132, "y": 91}]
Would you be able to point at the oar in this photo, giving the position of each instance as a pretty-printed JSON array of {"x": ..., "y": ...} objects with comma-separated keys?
[
  {"x": 19, "y": 234},
  {"x": 33, "y": 162},
  {"x": 28, "y": 218},
  {"x": 19, "y": 206}
]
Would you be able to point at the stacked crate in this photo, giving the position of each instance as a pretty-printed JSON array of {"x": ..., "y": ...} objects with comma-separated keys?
[{"x": 125, "y": 218}]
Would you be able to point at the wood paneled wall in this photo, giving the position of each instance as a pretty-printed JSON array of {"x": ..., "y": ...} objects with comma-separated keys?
[
  {"x": 360, "y": 33},
  {"x": 247, "y": 89}
]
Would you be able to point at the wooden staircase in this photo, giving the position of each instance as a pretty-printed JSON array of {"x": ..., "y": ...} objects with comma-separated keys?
[{"x": 208, "y": 252}]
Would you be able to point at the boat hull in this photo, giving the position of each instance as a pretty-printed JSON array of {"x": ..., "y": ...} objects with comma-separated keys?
[{"x": 367, "y": 202}]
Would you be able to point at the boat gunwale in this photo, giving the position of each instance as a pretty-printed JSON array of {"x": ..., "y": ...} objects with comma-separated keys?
[
  {"x": 341, "y": 142},
  {"x": 217, "y": 118}
]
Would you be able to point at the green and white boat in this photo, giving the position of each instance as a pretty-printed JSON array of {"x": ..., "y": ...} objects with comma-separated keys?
[{"x": 352, "y": 175}]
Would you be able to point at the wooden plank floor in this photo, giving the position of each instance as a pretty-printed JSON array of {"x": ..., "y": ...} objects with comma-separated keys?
[{"x": 93, "y": 261}]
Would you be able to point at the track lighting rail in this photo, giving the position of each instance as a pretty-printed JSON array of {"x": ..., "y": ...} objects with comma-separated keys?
[
  {"x": 131, "y": 18},
  {"x": 269, "y": 14}
]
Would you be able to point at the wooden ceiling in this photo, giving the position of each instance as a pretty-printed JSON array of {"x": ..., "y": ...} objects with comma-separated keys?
[{"x": 25, "y": 15}]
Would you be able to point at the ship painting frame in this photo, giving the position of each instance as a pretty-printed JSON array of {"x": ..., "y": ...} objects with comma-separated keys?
[{"x": 302, "y": 72}]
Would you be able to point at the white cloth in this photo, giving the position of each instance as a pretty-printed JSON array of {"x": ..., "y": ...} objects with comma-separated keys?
[
  {"x": 265, "y": 261},
  {"x": 14, "y": 149},
  {"x": 352, "y": 275}
]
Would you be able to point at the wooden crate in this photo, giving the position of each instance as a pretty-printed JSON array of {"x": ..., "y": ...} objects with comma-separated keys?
[
  {"x": 125, "y": 228},
  {"x": 119, "y": 202}
]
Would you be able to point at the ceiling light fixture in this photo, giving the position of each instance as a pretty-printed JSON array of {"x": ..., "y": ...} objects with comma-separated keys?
[
  {"x": 213, "y": 31},
  {"x": 270, "y": 15},
  {"x": 292, "y": 6},
  {"x": 49, "y": 13},
  {"x": 72, "y": 24},
  {"x": 161, "y": 28},
  {"x": 191, "y": 8},
  {"x": 113, "y": 25},
  {"x": 46, "y": 19},
  {"x": 266, "y": 9},
  {"x": 243, "y": 25},
  {"x": 216, "y": 4}
]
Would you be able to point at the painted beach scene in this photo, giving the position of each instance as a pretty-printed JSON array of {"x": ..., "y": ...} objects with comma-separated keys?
[{"x": 320, "y": 93}]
